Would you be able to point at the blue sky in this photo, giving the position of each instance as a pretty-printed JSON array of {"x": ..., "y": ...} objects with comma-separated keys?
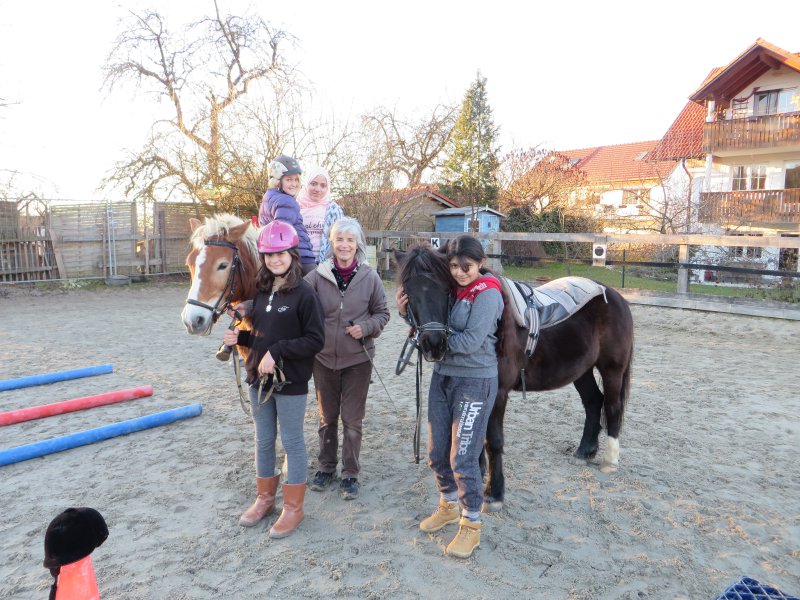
[{"x": 562, "y": 75}]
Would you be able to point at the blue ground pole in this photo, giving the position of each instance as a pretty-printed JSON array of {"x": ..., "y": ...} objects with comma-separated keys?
[
  {"x": 13, "y": 384},
  {"x": 90, "y": 436}
]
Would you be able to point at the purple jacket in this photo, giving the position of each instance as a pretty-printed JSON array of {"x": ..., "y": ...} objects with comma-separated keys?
[{"x": 281, "y": 206}]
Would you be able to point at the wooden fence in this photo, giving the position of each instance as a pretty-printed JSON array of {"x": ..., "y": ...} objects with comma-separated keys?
[
  {"x": 684, "y": 243},
  {"x": 94, "y": 240},
  {"x": 122, "y": 238}
]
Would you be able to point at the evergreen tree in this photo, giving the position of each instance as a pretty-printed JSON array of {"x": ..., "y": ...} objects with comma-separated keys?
[{"x": 468, "y": 173}]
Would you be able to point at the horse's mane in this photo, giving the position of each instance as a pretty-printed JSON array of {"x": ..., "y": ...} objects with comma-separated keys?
[
  {"x": 422, "y": 258},
  {"x": 219, "y": 225}
]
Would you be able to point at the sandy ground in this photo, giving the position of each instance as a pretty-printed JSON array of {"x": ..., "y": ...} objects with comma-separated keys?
[{"x": 708, "y": 488}]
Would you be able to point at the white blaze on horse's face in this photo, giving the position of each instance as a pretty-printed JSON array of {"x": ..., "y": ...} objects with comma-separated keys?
[{"x": 209, "y": 271}]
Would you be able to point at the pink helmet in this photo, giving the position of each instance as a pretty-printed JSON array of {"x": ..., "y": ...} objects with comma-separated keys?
[{"x": 277, "y": 236}]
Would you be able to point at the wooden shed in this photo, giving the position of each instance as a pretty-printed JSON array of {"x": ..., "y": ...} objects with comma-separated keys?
[{"x": 480, "y": 219}]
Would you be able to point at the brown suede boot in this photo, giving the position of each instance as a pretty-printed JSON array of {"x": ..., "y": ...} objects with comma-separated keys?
[
  {"x": 467, "y": 539},
  {"x": 267, "y": 487},
  {"x": 446, "y": 513},
  {"x": 293, "y": 497}
]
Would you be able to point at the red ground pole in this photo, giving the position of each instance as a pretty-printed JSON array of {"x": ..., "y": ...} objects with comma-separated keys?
[{"x": 58, "y": 408}]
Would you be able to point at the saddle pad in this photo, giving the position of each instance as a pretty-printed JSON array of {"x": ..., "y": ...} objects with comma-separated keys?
[
  {"x": 554, "y": 301},
  {"x": 559, "y": 299}
]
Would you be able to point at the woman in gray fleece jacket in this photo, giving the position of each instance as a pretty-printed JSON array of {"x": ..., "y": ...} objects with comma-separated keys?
[{"x": 462, "y": 393}]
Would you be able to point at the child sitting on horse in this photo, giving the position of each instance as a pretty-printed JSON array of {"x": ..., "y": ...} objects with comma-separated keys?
[{"x": 280, "y": 202}]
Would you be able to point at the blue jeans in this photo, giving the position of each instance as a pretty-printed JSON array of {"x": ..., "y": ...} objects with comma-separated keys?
[
  {"x": 290, "y": 411},
  {"x": 458, "y": 414}
]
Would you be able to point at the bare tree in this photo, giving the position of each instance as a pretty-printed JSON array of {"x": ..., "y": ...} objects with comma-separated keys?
[
  {"x": 536, "y": 179},
  {"x": 410, "y": 148},
  {"x": 204, "y": 75}
]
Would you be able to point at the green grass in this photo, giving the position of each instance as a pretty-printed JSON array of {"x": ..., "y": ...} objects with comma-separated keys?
[{"x": 612, "y": 276}]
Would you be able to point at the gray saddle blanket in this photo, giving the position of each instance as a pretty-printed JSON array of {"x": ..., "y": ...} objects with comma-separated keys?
[{"x": 537, "y": 308}]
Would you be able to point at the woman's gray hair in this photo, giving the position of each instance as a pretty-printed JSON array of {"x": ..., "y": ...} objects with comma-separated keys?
[{"x": 349, "y": 225}]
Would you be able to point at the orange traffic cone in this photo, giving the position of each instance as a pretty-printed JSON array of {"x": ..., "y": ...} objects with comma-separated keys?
[{"x": 76, "y": 581}]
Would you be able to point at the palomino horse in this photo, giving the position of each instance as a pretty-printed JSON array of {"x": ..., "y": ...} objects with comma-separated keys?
[
  {"x": 222, "y": 263},
  {"x": 598, "y": 336}
]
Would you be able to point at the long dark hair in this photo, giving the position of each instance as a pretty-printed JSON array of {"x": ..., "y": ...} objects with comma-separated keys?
[
  {"x": 466, "y": 247},
  {"x": 294, "y": 275}
]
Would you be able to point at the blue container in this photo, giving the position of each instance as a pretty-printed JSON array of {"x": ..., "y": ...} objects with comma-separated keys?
[{"x": 750, "y": 589}]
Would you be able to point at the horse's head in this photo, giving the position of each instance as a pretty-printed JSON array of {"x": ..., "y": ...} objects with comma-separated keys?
[
  {"x": 222, "y": 265},
  {"x": 425, "y": 277}
]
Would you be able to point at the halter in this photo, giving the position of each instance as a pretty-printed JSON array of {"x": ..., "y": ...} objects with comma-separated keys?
[
  {"x": 217, "y": 310},
  {"x": 430, "y": 326}
]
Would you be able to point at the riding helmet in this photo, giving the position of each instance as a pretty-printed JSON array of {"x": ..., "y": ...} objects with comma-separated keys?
[
  {"x": 283, "y": 165},
  {"x": 277, "y": 236},
  {"x": 73, "y": 535}
]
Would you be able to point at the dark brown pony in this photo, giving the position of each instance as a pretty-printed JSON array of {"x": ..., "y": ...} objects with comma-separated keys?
[
  {"x": 599, "y": 336},
  {"x": 223, "y": 263}
]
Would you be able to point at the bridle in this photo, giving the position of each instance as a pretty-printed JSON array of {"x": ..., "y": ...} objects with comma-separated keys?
[
  {"x": 430, "y": 326},
  {"x": 223, "y": 303}
]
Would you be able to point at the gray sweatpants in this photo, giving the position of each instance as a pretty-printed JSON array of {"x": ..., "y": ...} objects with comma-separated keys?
[
  {"x": 458, "y": 414},
  {"x": 290, "y": 412}
]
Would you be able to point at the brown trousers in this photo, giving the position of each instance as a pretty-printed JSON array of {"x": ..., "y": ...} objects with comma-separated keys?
[{"x": 341, "y": 393}]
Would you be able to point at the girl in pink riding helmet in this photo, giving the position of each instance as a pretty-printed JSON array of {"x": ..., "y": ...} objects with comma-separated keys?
[{"x": 287, "y": 333}]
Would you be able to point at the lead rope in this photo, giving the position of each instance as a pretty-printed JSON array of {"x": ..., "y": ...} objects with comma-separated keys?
[
  {"x": 418, "y": 424},
  {"x": 237, "y": 370},
  {"x": 226, "y": 352}
]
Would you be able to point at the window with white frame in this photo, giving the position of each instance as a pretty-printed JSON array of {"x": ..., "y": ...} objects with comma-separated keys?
[
  {"x": 633, "y": 197},
  {"x": 747, "y": 251},
  {"x": 791, "y": 177},
  {"x": 775, "y": 101},
  {"x": 740, "y": 109},
  {"x": 748, "y": 177}
]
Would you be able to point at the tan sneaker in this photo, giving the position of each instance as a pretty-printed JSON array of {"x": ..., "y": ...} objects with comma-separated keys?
[
  {"x": 446, "y": 513},
  {"x": 467, "y": 539}
]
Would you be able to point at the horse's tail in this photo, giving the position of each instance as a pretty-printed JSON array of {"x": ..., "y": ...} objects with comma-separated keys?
[
  {"x": 621, "y": 319},
  {"x": 625, "y": 389}
]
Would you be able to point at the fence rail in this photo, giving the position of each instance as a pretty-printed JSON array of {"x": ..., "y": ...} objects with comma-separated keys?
[
  {"x": 94, "y": 240},
  {"x": 83, "y": 241}
]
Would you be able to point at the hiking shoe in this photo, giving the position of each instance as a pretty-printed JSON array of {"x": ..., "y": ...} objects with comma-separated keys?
[
  {"x": 349, "y": 488},
  {"x": 467, "y": 539},
  {"x": 445, "y": 513},
  {"x": 321, "y": 481}
]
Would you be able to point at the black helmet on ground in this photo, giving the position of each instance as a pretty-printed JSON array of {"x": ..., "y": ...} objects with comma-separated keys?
[{"x": 73, "y": 535}]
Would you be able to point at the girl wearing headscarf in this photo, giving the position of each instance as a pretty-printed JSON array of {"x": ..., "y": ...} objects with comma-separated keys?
[{"x": 319, "y": 211}]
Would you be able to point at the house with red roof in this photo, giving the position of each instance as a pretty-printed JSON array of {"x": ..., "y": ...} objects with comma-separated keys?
[
  {"x": 728, "y": 164},
  {"x": 738, "y": 143},
  {"x": 621, "y": 186}
]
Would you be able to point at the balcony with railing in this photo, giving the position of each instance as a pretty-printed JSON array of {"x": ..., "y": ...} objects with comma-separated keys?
[
  {"x": 757, "y": 206},
  {"x": 767, "y": 131}
]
